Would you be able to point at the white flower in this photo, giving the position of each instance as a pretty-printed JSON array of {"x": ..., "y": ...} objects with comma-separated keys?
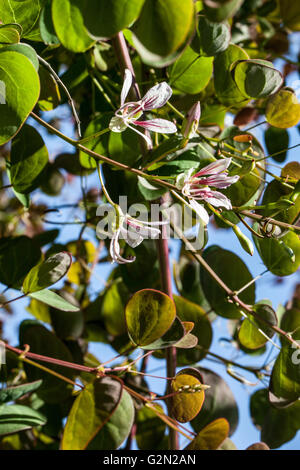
[
  {"x": 133, "y": 231},
  {"x": 197, "y": 187},
  {"x": 129, "y": 112}
]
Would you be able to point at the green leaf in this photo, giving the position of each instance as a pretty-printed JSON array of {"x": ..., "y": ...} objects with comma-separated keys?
[
  {"x": 16, "y": 418},
  {"x": 285, "y": 378},
  {"x": 149, "y": 314},
  {"x": 219, "y": 402},
  {"x": 42, "y": 341},
  {"x": 28, "y": 159},
  {"x": 117, "y": 429},
  {"x": 290, "y": 13},
  {"x": 9, "y": 34},
  {"x": 277, "y": 140},
  {"x": 290, "y": 322},
  {"x": 163, "y": 25},
  {"x": 232, "y": 270},
  {"x": 220, "y": 10},
  {"x": 187, "y": 67},
  {"x": 26, "y": 50},
  {"x": 186, "y": 404},
  {"x": 23, "y": 12},
  {"x": 47, "y": 272},
  {"x": 210, "y": 437},
  {"x": 212, "y": 38},
  {"x": 17, "y": 256},
  {"x": 150, "y": 429},
  {"x": 93, "y": 418},
  {"x": 47, "y": 30},
  {"x": 249, "y": 334},
  {"x": 15, "y": 392},
  {"x": 124, "y": 147},
  {"x": 19, "y": 92},
  {"x": 69, "y": 25},
  {"x": 276, "y": 253},
  {"x": 277, "y": 425},
  {"x": 148, "y": 190},
  {"x": 173, "y": 336},
  {"x": 113, "y": 308},
  {"x": 105, "y": 19},
  {"x": 54, "y": 300},
  {"x": 50, "y": 95},
  {"x": 99, "y": 144},
  {"x": 190, "y": 312},
  {"x": 257, "y": 78},
  {"x": 225, "y": 86},
  {"x": 283, "y": 109}
]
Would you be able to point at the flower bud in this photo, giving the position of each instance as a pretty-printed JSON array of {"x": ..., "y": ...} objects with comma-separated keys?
[
  {"x": 191, "y": 121},
  {"x": 244, "y": 241}
]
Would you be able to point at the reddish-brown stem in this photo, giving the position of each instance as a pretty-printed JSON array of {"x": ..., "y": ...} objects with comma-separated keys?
[{"x": 166, "y": 284}]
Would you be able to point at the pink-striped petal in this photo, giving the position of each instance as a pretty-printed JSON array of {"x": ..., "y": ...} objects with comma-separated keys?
[
  {"x": 157, "y": 125},
  {"x": 214, "y": 168},
  {"x": 221, "y": 181},
  {"x": 214, "y": 198},
  {"x": 157, "y": 96},
  {"x": 200, "y": 211}
]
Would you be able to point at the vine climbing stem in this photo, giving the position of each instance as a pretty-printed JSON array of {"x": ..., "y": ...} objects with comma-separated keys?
[{"x": 123, "y": 55}]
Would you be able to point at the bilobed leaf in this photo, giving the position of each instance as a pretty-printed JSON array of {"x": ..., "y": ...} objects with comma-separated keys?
[
  {"x": 220, "y": 10},
  {"x": 44, "y": 342},
  {"x": 50, "y": 95},
  {"x": 150, "y": 429},
  {"x": 280, "y": 255},
  {"x": 290, "y": 13},
  {"x": 9, "y": 34},
  {"x": 186, "y": 404},
  {"x": 105, "y": 19},
  {"x": 28, "y": 159},
  {"x": 191, "y": 73},
  {"x": 283, "y": 109},
  {"x": 210, "y": 437},
  {"x": 190, "y": 312},
  {"x": 101, "y": 417},
  {"x": 219, "y": 402},
  {"x": 257, "y": 78},
  {"x": 23, "y": 12},
  {"x": 113, "y": 308},
  {"x": 47, "y": 273},
  {"x": 17, "y": 256},
  {"x": 19, "y": 92},
  {"x": 69, "y": 25},
  {"x": 277, "y": 425},
  {"x": 277, "y": 140},
  {"x": 24, "y": 49},
  {"x": 16, "y": 418},
  {"x": 226, "y": 88},
  {"x": 290, "y": 322},
  {"x": 13, "y": 393},
  {"x": 47, "y": 30},
  {"x": 285, "y": 378},
  {"x": 149, "y": 314},
  {"x": 249, "y": 334},
  {"x": 213, "y": 38},
  {"x": 163, "y": 25},
  {"x": 54, "y": 300},
  {"x": 174, "y": 335},
  {"x": 232, "y": 270}
]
